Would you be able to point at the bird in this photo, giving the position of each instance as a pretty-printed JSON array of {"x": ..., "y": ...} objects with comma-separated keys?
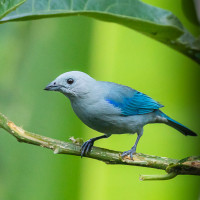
[{"x": 111, "y": 108}]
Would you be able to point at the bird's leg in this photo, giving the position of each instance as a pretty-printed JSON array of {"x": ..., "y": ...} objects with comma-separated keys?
[
  {"x": 133, "y": 149},
  {"x": 86, "y": 147}
]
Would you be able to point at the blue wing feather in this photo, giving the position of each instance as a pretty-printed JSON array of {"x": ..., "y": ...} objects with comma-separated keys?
[{"x": 131, "y": 102}]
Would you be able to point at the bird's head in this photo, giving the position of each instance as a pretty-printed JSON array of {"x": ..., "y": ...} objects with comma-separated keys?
[{"x": 72, "y": 84}]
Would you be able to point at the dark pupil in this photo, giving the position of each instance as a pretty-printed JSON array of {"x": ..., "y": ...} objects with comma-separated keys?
[{"x": 70, "y": 81}]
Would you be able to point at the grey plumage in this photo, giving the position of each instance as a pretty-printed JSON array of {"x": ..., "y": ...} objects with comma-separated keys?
[{"x": 111, "y": 108}]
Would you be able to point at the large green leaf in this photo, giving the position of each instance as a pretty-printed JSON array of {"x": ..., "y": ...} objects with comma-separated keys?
[
  {"x": 155, "y": 22},
  {"x": 6, "y": 6}
]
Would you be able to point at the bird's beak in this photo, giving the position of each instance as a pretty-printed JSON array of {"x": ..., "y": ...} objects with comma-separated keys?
[{"x": 52, "y": 86}]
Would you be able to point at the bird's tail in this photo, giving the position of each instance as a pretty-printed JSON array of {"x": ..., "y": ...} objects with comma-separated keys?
[{"x": 181, "y": 128}]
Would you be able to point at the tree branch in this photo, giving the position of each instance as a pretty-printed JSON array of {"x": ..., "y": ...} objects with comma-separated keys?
[{"x": 173, "y": 167}]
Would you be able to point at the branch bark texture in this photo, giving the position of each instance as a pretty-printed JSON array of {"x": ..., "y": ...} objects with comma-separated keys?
[{"x": 173, "y": 167}]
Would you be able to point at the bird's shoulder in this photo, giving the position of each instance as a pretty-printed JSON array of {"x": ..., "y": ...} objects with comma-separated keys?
[{"x": 117, "y": 91}]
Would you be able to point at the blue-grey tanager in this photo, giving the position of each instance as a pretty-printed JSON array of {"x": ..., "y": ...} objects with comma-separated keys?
[{"x": 111, "y": 108}]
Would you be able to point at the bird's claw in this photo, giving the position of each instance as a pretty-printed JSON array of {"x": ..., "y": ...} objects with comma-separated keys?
[
  {"x": 86, "y": 147},
  {"x": 129, "y": 153}
]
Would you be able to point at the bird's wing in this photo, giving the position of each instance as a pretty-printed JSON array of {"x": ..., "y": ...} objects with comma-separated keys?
[{"x": 131, "y": 102}]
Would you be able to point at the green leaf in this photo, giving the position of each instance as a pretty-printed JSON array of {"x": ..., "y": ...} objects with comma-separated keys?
[
  {"x": 154, "y": 22},
  {"x": 6, "y": 6},
  {"x": 189, "y": 10}
]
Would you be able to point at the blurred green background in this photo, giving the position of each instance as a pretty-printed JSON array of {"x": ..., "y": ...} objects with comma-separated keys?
[{"x": 33, "y": 53}]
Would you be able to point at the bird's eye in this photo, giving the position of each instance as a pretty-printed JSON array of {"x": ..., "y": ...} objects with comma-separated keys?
[{"x": 70, "y": 81}]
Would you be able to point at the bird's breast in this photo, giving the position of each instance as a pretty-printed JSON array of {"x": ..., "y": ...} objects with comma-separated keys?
[{"x": 97, "y": 114}]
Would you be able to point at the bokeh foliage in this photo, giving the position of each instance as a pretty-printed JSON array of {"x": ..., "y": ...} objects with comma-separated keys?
[
  {"x": 155, "y": 22},
  {"x": 34, "y": 53}
]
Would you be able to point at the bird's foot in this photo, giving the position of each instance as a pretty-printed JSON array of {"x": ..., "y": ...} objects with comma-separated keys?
[
  {"x": 129, "y": 153},
  {"x": 86, "y": 147}
]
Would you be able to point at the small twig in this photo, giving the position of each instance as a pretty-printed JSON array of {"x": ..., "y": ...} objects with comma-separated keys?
[
  {"x": 173, "y": 167},
  {"x": 158, "y": 177}
]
